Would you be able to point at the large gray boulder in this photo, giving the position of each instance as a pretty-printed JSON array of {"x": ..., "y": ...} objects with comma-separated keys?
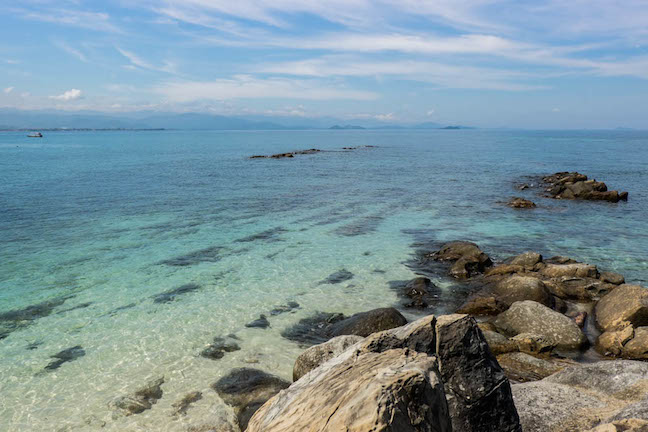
[
  {"x": 395, "y": 390},
  {"x": 476, "y": 393},
  {"x": 318, "y": 354},
  {"x": 533, "y": 317},
  {"x": 584, "y": 397},
  {"x": 519, "y": 288}
]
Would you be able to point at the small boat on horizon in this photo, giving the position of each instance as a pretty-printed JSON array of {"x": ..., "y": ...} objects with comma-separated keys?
[{"x": 35, "y": 135}]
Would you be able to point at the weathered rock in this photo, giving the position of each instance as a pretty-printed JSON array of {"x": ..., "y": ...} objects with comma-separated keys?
[
  {"x": 582, "y": 397},
  {"x": 527, "y": 259},
  {"x": 637, "y": 347},
  {"x": 504, "y": 269},
  {"x": 393, "y": 390},
  {"x": 612, "y": 342},
  {"x": 625, "y": 425},
  {"x": 498, "y": 343},
  {"x": 318, "y": 354},
  {"x": 625, "y": 303},
  {"x": 534, "y": 344},
  {"x": 532, "y": 317},
  {"x": 365, "y": 323},
  {"x": 521, "y": 203},
  {"x": 246, "y": 390},
  {"x": 478, "y": 393},
  {"x": 519, "y": 288},
  {"x": 142, "y": 399},
  {"x": 613, "y": 278},
  {"x": 579, "y": 288},
  {"x": 522, "y": 367},
  {"x": 482, "y": 304},
  {"x": 570, "y": 270},
  {"x": 576, "y": 186}
]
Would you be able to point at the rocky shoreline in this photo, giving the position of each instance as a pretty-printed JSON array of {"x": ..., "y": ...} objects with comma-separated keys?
[{"x": 537, "y": 344}]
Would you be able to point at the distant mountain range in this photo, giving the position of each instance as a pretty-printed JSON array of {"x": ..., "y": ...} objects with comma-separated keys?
[{"x": 12, "y": 119}]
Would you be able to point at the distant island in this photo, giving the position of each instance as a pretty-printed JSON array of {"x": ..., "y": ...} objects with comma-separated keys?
[{"x": 346, "y": 127}]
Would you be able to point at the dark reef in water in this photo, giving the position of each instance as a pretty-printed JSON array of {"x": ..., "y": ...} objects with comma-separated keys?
[
  {"x": 210, "y": 254},
  {"x": 267, "y": 235},
  {"x": 67, "y": 355},
  {"x": 361, "y": 226},
  {"x": 261, "y": 322},
  {"x": 338, "y": 277},
  {"x": 171, "y": 295},
  {"x": 217, "y": 349},
  {"x": 19, "y": 318},
  {"x": 288, "y": 307}
]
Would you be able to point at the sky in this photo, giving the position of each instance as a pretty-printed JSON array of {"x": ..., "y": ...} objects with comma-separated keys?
[{"x": 485, "y": 63}]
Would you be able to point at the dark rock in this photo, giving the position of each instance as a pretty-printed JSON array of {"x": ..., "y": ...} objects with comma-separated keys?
[
  {"x": 521, "y": 203},
  {"x": 579, "y": 288},
  {"x": 468, "y": 259},
  {"x": 477, "y": 390},
  {"x": 338, "y": 277},
  {"x": 261, "y": 322},
  {"x": 183, "y": 404},
  {"x": 526, "y": 260},
  {"x": 67, "y": 355},
  {"x": 246, "y": 389},
  {"x": 366, "y": 323},
  {"x": 565, "y": 185},
  {"x": 613, "y": 278},
  {"x": 142, "y": 400},
  {"x": 286, "y": 155},
  {"x": 419, "y": 293},
  {"x": 482, "y": 304},
  {"x": 218, "y": 348}
]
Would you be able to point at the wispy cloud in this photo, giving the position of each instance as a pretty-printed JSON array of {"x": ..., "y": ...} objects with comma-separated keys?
[
  {"x": 70, "y": 50},
  {"x": 8, "y": 90},
  {"x": 138, "y": 62},
  {"x": 248, "y": 87},
  {"x": 97, "y": 21},
  {"x": 70, "y": 95}
]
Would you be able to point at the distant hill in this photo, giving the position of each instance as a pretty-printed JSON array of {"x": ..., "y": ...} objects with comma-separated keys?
[{"x": 44, "y": 119}]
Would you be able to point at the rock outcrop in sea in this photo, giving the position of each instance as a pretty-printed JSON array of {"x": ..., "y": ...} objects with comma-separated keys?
[{"x": 574, "y": 185}]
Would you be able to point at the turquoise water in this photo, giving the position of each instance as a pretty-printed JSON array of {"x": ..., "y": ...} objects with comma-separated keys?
[{"x": 94, "y": 226}]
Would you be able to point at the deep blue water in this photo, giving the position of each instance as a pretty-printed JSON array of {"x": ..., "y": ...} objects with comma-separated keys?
[{"x": 92, "y": 222}]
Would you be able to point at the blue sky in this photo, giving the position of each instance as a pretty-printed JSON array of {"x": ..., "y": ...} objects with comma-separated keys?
[{"x": 497, "y": 63}]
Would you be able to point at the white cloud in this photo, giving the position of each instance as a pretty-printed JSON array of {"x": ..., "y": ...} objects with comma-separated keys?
[
  {"x": 555, "y": 110},
  {"x": 8, "y": 90},
  {"x": 12, "y": 62},
  {"x": 248, "y": 87},
  {"x": 69, "y": 95},
  {"x": 430, "y": 113}
]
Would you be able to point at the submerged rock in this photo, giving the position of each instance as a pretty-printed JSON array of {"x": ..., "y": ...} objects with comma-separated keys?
[
  {"x": 210, "y": 254},
  {"x": 16, "y": 319},
  {"x": 183, "y": 404},
  {"x": 420, "y": 292},
  {"x": 218, "y": 348},
  {"x": 318, "y": 354},
  {"x": 142, "y": 399},
  {"x": 468, "y": 260},
  {"x": 67, "y": 355},
  {"x": 288, "y": 307},
  {"x": 533, "y": 317},
  {"x": 246, "y": 389},
  {"x": 261, "y": 322},
  {"x": 324, "y": 326},
  {"x": 338, "y": 277},
  {"x": 286, "y": 155}
]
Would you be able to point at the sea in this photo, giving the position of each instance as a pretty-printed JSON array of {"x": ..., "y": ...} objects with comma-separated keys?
[{"x": 123, "y": 254}]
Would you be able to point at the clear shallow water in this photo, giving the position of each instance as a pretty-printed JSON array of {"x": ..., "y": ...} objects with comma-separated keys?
[{"x": 95, "y": 225}]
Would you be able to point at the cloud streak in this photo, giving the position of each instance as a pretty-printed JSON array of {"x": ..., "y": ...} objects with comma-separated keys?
[{"x": 70, "y": 95}]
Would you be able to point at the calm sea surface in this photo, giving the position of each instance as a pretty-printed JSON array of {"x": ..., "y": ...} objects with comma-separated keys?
[{"x": 141, "y": 247}]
